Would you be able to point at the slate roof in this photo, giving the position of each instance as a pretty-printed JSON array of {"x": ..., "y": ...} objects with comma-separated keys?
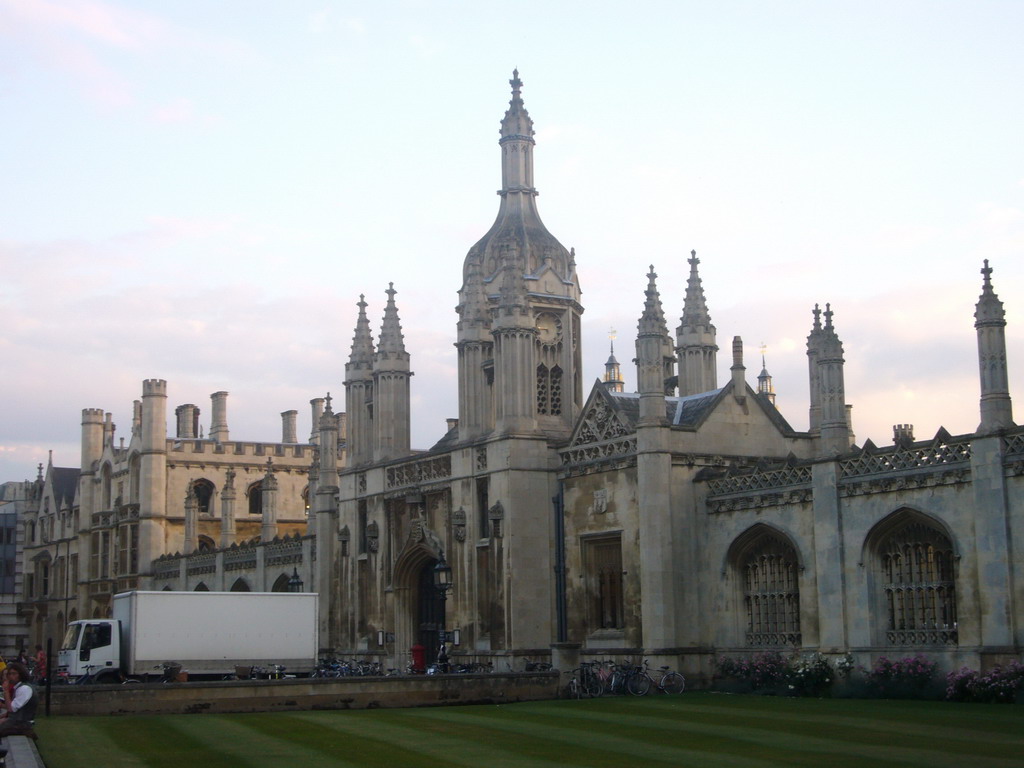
[
  {"x": 687, "y": 411},
  {"x": 65, "y": 483}
]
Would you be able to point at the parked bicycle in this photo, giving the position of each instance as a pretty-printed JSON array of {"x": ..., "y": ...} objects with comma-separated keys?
[
  {"x": 585, "y": 680},
  {"x": 669, "y": 682}
]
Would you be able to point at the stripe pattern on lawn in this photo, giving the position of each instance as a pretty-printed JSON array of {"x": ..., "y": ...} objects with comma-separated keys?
[{"x": 692, "y": 730}]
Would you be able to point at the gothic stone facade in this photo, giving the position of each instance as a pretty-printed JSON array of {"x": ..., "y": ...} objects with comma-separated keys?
[
  {"x": 160, "y": 512},
  {"x": 681, "y": 521}
]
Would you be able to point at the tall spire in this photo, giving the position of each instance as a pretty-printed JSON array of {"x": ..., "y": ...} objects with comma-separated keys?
[
  {"x": 696, "y": 346},
  {"x": 835, "y": 420},
  {"x": 695, "y": 308},
  {"x": 990, "y": 324},
  {"x": 517, "y": 138},
  {"x": 518, "y": 219},
  {"x": 362, "y": 342},
  {"x": 520, "y": 360},
  {"x": 391, "y": 343},
  {"x": 391, "y": 402},
  {"x": 814, "y": 339},
  {"x": 654, "y": 357},
  {"x": 652, "y": 321},
  {"x": 358, "y": 391}
]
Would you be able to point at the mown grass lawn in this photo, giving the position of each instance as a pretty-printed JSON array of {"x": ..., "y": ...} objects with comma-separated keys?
[{"x": 696, "y": 729}]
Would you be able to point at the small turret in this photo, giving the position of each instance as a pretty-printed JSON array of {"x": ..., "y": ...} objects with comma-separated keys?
[
  {"x": 902, "y": 434},
  {"x": 227, "y": 509},
  {"x": 359, "y": 390},
  {"x": 152, "y": 472},
  {"x": 391, "y": 386},
  {"x": 813, "y": 351},
  {"x": 695, "y": 339},
  {"x": 764, "y": 380},
  {"x": 191, "y": 521},
  {"x": 835, "y": 419},
  {"x": 652, "y": 346},
  {"x": 268, "y": 498},
  {"x": 990, "y": 323},
  {"x": 92, "y": 438},
  {"x": 612, "y": 372}
]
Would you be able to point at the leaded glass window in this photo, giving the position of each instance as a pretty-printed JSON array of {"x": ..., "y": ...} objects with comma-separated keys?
[
  {"x": 771, "y": 593},
  {"x": 917, "y": 585}
]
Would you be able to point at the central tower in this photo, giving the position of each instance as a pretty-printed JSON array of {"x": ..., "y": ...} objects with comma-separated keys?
[{"x": 519, "y": 309}]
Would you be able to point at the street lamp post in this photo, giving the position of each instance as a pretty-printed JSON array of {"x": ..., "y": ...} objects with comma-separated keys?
[
  {"x": 295, "y": 581},
  {"x": 442, "y": 582}
]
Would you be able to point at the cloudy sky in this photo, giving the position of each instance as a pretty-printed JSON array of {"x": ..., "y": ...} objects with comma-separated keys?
[{"x": 200, "y": 191}]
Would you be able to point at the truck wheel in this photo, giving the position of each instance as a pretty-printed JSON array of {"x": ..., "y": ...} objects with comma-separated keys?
[{"x": 107, "y": 678}]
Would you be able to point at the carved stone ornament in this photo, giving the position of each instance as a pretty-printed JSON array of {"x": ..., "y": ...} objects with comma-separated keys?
[
  {"x": 361, "y": 482},
  {"x": 459, "y": 524},
  {"x": 416, "y": 532},
  {"x": 496, "y": 514},
  {"x": 600, "y": 501},
  {"x": 599, "y": 423},
  {"x": 372, "y": 537}
]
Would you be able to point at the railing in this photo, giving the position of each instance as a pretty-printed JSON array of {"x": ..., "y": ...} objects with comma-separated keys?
[
  {"x": 417, "y": 472},
  {"x": 913, "y": 637},
  {"x": 773, "y": 639},
  {"x": 900, "y": 459},
  {"x": 760, "y": 480}
]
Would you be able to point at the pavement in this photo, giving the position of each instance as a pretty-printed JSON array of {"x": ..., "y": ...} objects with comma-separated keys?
[{"x": 22, "y": 753}]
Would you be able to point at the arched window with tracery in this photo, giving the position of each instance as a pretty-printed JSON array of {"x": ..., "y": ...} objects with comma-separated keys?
[
  {"x": 549, "y": 390},
  {"x": 255, "y": 494},
  {"x": 768, "y": 567},
  {"x": 915, "y": 583},
  {"x": 203, "y": 490}
]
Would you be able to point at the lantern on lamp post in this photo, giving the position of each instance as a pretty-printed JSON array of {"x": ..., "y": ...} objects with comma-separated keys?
[
  {"x": 442, "y": 582},
  {"x": 295, "y": 583}
]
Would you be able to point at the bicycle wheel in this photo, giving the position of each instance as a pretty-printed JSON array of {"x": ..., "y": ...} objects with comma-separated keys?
[
  {"x": 638, "y": 684},
  {"x": 592, "y": 686},
  {"x": 673, "y": 683},
  {"x": 572, "y": 690}
]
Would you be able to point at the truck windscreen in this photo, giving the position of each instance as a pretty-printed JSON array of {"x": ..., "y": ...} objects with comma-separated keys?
[{"x": 70, "y": 641}]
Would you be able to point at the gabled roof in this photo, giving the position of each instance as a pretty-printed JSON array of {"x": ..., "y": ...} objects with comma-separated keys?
[
  {"x": 448, "y": 441},
  {"x": 65, "y": 485},
  {"x": 614, "y": 414}
]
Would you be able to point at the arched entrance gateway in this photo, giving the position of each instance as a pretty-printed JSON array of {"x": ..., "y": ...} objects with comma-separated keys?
[
  {"x": 430, "y": 604},
  {"x": 419, "y": 610}
]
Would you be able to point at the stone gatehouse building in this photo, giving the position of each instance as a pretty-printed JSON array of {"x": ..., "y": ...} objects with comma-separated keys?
[{"x": 682, "y": 521}]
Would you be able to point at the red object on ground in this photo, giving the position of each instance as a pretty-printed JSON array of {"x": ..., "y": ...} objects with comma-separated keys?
[{"x": 419, "y": 658}]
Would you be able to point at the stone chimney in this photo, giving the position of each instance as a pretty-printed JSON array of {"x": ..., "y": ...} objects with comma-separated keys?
[
  {"x": 288, "y": 424},
  {"x": 739, "y": 380},
  {"x": 188, "y": 421},
  {"x": 317, "y": 407},
  {"x": 219, "y": 422}
]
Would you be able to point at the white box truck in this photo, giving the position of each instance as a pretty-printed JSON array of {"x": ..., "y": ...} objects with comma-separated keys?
[{"x": 208, "y": 633}]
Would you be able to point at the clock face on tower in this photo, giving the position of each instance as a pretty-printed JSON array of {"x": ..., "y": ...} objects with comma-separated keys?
[{"x": 549, "y": 328}]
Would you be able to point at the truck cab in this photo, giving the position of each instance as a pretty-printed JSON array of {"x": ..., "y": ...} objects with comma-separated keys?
[{"x": 91, "y": 646}]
